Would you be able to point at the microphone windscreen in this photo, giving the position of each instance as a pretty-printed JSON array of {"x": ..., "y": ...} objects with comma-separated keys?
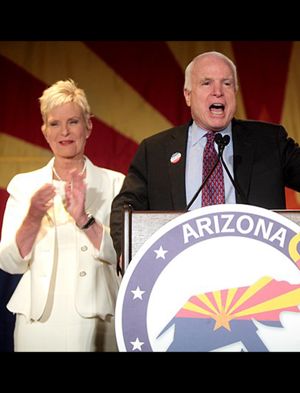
[
  {"x": 218, "y": 139},
  {"x": 226, "y": 140}
]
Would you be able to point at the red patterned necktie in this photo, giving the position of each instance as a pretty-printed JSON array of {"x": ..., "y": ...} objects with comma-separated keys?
[{"x": 213, "y": 192}]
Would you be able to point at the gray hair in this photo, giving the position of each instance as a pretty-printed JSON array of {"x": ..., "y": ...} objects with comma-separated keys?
[{"x": 188, "y": 70}]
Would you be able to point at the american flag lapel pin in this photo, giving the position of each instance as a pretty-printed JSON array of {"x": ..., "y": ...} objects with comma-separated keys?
[{"x": 175, "y": 158}]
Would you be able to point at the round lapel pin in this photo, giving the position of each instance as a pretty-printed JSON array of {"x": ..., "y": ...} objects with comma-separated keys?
[{"x": 175, "y": 158}]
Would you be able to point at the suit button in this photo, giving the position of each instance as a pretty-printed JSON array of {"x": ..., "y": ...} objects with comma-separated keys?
[
  {"x": 82, "y": 273},
  {"x": 84, "y": 248}
]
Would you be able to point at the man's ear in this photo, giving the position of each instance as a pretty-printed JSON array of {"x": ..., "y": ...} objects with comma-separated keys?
[{"x": 187, "y": 96}]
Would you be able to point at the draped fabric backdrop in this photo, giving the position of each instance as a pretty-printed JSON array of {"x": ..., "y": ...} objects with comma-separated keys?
[{"x": 135, "y": 89}]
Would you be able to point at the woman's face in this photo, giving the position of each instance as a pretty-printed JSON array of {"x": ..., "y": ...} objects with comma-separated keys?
[{"x": 66, "y": 131}]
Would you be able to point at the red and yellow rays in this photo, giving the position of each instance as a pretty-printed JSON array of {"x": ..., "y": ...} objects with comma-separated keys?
[
  {"x": 135, "y": 89},
  {"x": 264, "y": 301}
]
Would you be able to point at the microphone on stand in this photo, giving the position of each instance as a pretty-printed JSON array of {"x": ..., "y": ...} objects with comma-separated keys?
[
  {"x": 221, "y": 148},
  {"x": 223, "y": 141}
]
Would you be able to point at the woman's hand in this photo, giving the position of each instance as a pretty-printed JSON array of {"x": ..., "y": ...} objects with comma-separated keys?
[
  {"x": 75, "y": 197},
  {"x": 75, "y": 205},
  {"x": 41, "y": 201}
]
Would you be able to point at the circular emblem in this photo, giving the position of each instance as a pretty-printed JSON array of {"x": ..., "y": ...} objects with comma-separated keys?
[
  {"x": 175, "y": 158},
  {"x": 219, "y": 278}
]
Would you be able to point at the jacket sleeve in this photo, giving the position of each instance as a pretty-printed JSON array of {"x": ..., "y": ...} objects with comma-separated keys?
[
  {"x": 15, "y": 211},
  {"x": 107, "y": 253},
  {"x": 133, "y": 192}
]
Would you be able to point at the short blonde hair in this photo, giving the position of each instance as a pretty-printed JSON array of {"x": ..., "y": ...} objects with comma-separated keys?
[{"x": 63, "y": 92}]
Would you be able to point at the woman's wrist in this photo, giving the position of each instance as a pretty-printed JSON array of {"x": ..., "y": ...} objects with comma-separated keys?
[{"x": 85, "y": 221}]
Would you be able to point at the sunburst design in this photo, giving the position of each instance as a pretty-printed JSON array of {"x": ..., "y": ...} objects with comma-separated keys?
[{"x": 264, "y": 301}]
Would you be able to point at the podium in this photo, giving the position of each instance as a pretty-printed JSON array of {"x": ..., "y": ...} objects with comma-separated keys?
[
  {"x": 139, "y": 225},
  {"x": 219, "y": 278}
]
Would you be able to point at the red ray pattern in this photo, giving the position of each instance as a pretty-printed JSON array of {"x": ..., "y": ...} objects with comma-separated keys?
[
  {"x": 152, "y": 70},
  {"x": 20, "y": 117},
  {"x": 20, "y": 111},
  {"x": 264, "y": 302},
  {"x": 263, "y": 69},
  {"x": 134, "y": 61},
  {"x": 3, "y": 198}
]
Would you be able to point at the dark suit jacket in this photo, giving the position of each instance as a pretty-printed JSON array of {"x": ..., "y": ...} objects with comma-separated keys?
[{"x": 265, "y": 161}]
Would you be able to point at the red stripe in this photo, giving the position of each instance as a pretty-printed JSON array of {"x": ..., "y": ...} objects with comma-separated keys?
[
  {"x": 151, "y": 69},
  {"x": 20, "y": 113},
  {"x": 3, "y": 198},
  {"x": 263, "y": 70},
  {"x": 21, "y": 118},
  {"x": 108, "y": 148}
]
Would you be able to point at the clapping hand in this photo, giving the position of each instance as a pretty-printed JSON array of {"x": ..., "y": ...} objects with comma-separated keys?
[
  {"x": 75, "y": 195},
  {"x": 41, "y": 201}
]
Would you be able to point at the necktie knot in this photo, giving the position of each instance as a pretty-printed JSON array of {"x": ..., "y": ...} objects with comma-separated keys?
[{"x": 210, "y": 137}]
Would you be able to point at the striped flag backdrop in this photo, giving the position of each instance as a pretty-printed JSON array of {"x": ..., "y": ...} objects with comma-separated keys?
[{"x": 135, "y": 89}]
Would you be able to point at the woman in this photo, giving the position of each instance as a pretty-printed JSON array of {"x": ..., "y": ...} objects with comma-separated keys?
[{"x": 55, "y": 232}]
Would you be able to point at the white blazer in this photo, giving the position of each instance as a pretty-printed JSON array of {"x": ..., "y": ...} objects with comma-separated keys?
[{"x": 97, "y": 282}]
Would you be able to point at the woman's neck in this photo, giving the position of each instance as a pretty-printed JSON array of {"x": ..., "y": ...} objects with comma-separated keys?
[{"x": 61, "y": 169}]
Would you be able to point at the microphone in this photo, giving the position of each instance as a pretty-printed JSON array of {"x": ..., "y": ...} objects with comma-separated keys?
[
  {"x": 221, "y": 148},
  {"x": 223, "y": 141}
]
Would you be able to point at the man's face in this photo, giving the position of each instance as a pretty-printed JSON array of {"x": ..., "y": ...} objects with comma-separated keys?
[{"x": 212, "y": 97}]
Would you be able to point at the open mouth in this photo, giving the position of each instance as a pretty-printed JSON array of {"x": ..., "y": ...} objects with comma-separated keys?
[{"x": 217, "y": 109}]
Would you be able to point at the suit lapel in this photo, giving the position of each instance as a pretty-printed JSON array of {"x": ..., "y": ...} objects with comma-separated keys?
[
  {"x": 93, "y": 192},
  {"x": 243, "y": 156},
  {"x": 176, "y": 147},
  {"x": 243, "y": 159},
  {"x": 46, "y": 177}
]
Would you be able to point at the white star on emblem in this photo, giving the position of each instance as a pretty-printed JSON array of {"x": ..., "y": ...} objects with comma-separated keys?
[
  {"x": 137, "y": 344},
  {"x": 137, "y": 293},
  {"x": 160, "y": 253}
]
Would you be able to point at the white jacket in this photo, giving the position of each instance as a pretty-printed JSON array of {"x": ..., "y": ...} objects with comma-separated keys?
[{"x": 97, "y": 282}]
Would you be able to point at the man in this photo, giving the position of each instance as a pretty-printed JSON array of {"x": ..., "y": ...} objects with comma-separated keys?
[{"x": 166, "y": 171}]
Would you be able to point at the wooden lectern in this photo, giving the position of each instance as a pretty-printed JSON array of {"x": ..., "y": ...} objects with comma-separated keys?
[{"x": 138, "y": 226}]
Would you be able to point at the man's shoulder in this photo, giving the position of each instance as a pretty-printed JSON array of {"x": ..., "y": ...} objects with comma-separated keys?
[{"x": 254, "y": 124}]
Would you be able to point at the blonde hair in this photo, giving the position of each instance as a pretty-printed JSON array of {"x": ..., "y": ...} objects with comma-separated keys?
[
  {"x": 60, "y": 93},
  {"x": 188, "y": 70}
]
